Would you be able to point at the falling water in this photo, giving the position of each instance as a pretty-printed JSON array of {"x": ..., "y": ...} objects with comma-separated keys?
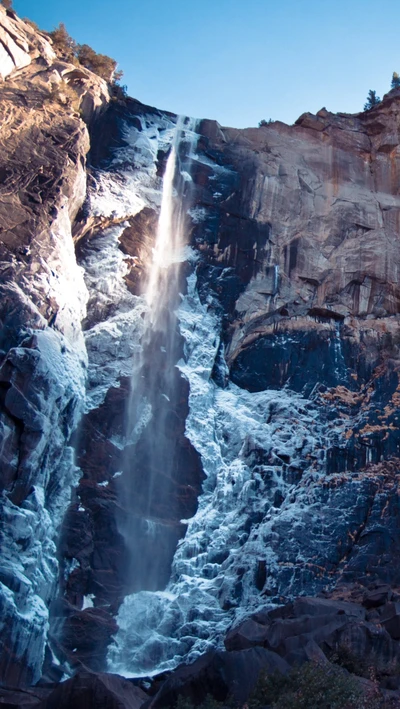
[
  {"x": 167, "y": 252},
  {"x": 158, "y": 450}
]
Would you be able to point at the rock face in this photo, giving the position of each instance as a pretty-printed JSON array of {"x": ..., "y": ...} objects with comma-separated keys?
[
  {"x": 293, "y": 290},
  {"x": 324, "y": 631},
  {"x": 286, "y": 404},
  {"x": 43, "y": 357},
  {"x": 20, "y": 44}
]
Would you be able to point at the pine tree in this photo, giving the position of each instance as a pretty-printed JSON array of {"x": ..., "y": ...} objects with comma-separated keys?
[
  {"x": 395, "y": 81},
  {"x": 372, "y": 100},
  {"x": 63, "y": 43},
  {"x": 101, "y": 64}
]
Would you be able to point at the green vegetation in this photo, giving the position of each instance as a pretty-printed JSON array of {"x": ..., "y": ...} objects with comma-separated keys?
[
  {"x": 370, "y": 665},
  {"x": 311, "y": 686},
  {"x": 63, "y": 43},
  {"x": 83, "y": 55},
  {"x": 263, "y": 122},
  {"x": 308, "y": 687},
  {"x": 100, "y": 64},
  {"x": 372, "y": 100},
  {"x": 208, "y": 703},
  {"x": 395, "y": 81},
  {"x": 31, "y": 23}
]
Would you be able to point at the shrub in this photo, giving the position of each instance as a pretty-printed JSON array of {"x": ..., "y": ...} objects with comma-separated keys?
[
  {"x": 263, "y": 122},
  {"x": 31, "y": 23},
  {"x": 118, "y": 92},
  {"x": 308, "y": 687},
  {"x": 63, "y": 43},
  {"x": 208, "y": 703},
  {"x": 65, "y": 95},
  {"x": 370, "y": 665},
  {"x": 84, "y": 55},
  {"x": 100, "y": 64},
  {"x": 8, "y": 4}
]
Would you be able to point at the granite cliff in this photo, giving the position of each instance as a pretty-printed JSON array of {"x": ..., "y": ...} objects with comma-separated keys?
[
  {"x": 286, "y": 398},
  {"x": 44, "y": 142}
]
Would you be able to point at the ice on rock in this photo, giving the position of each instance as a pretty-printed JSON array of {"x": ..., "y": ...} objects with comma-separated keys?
[
  {"x": 88, "y": 601},
  {"x": 124, "y": 191},
  {"x": 115, "y": 314},
  {"x": 240, "y": 436},
  {"x": 50, "y": 404}
]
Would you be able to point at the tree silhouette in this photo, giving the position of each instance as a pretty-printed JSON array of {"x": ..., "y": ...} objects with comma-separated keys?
[
  {"x": 395, "y": 81},
  {"x": 372, "y": 100}
]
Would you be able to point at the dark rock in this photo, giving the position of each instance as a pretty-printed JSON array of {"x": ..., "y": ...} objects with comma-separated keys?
[
  {"x": 95, "y": 691},
  {"x": 390, "y": 619},
  {"x": 304, "y": 605},
  {"x": 82, "y": 636},
  {"x": 22, "y": 699},
  {"x": 311, "y": 628},
  {"x": 221, "y": 674},
  {"x": 377, "y": 597},
  {"x": 247, "y": 634}
]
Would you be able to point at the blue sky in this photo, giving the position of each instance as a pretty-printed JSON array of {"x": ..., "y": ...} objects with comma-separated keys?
[{"x": 238, "y": 60}]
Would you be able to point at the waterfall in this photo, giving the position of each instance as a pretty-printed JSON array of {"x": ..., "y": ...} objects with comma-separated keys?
[
  {"x": 162, "y": 285},
  {"x": 149, "y": 486},
  {"x": 182, "y": 598}
]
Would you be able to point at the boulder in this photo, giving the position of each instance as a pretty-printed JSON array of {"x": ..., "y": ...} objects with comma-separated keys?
[
  {"x": 390, "y": 619},
  {"x": 220, "y": 674},
  {"x": 377, "y": 597},
  {"x": 311, "y": 628},
  {"x": 88, "y": 690},
  {"x": 247, "y": 634}
]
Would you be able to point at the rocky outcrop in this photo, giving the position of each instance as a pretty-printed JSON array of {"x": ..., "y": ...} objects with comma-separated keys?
[
  {"x": 228, "y": 676},
  {"x": 43, "y": 300},
  {"x": 86, "y": 689},
  {"x": 20, "y": 44},
  {"x": 101, "y": 691},
  {"x": 325, "y": 193}
]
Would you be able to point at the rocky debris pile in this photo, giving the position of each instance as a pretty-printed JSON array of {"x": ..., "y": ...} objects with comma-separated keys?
[
  {"x": 356, "y": 629},
  {"x": 360, "y": 635}
]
